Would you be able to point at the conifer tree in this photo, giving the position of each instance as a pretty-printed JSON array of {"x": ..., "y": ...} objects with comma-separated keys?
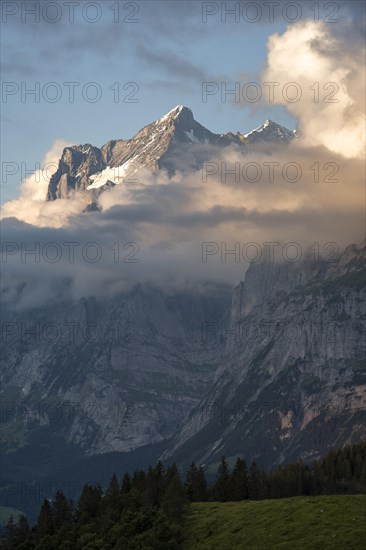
[
  {"x": 253, "y": 487},
  {"x": 222, "y": 485},
  {"x": 10, "y": 533},
  {"x": 126, "y": 484},
  {"x": 262, "y": 484},
  {"x": 171, "y": 472},
  {"x": 113, "y": 492},
  {"x": 154, "y": 484},
  {"x": 191, "y": 483},
  {"x": 23, "y": 531},
  {"x": 174, "y": 500},
  {"x": 239, "y": 480},
  {"x": 139, "y": 480},
  {"x": 61, "y": 511},
  {"x": 201, "y": 494},
  {"x": 45, "y": 524},
  {"x": 90, "y": 503}
]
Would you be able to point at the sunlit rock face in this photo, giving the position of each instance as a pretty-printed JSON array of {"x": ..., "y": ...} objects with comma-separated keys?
[{"x": 174, "y": 142}]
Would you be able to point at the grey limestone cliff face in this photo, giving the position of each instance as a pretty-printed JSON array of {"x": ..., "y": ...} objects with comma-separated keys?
[
  {"x": 107, "y": 375},
  {"x": 292, "y": 382}
]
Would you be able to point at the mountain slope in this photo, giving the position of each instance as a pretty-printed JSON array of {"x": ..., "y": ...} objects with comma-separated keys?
[
  {"x": 285, "y": 379},
  {"x": 292, "y": 381},
  {"x": 117, "y": 375}
]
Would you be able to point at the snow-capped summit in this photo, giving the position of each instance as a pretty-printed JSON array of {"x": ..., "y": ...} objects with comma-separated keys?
[
  {"x": 269, "y": 131},
  {"x": 179, "y": 117},
  {"x": 175, "y": 113},
  {"x": 174, "y": 141},
  {"x": 176, "y": 110}
]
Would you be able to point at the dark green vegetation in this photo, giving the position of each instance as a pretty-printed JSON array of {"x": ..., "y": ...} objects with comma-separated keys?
[
  {"x": 142, "y": 512},
  {"x": 6, "y": 512},
  {"x": 298, "y": 523},
  {"x": 152, "y": 511}
]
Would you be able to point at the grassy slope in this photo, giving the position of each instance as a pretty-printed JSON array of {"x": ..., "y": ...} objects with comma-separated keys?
[{"x": 306, "y": 523}]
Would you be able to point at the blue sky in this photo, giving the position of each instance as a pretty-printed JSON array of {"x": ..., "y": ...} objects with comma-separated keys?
[
  {"x": 167, "y": 54},
  {"x": 162, "y": 47}
]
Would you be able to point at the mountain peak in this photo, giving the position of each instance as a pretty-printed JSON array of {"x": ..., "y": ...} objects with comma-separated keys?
[
  {"x": 269, "y": 131},
  {"x": 175, "y": 139},
  {"x": 180, "y": 114},
  {"x": 179, "y": 108}
]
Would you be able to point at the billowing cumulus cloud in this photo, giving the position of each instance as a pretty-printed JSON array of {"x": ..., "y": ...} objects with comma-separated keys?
[
  {"x": 154, "y": 231},
  {"x": 326, "y": 94}
]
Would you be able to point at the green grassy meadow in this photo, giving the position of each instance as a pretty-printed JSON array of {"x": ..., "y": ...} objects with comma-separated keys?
[{"x": 337, "y": 522}]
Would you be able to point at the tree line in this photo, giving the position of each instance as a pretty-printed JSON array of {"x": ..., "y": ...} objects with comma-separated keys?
[{"x": 146, "y": 510}]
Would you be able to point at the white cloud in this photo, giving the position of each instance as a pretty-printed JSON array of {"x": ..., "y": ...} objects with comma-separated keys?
[
  {"x": 32, "y": 207},
  {"x": 330, "y": 115}
]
